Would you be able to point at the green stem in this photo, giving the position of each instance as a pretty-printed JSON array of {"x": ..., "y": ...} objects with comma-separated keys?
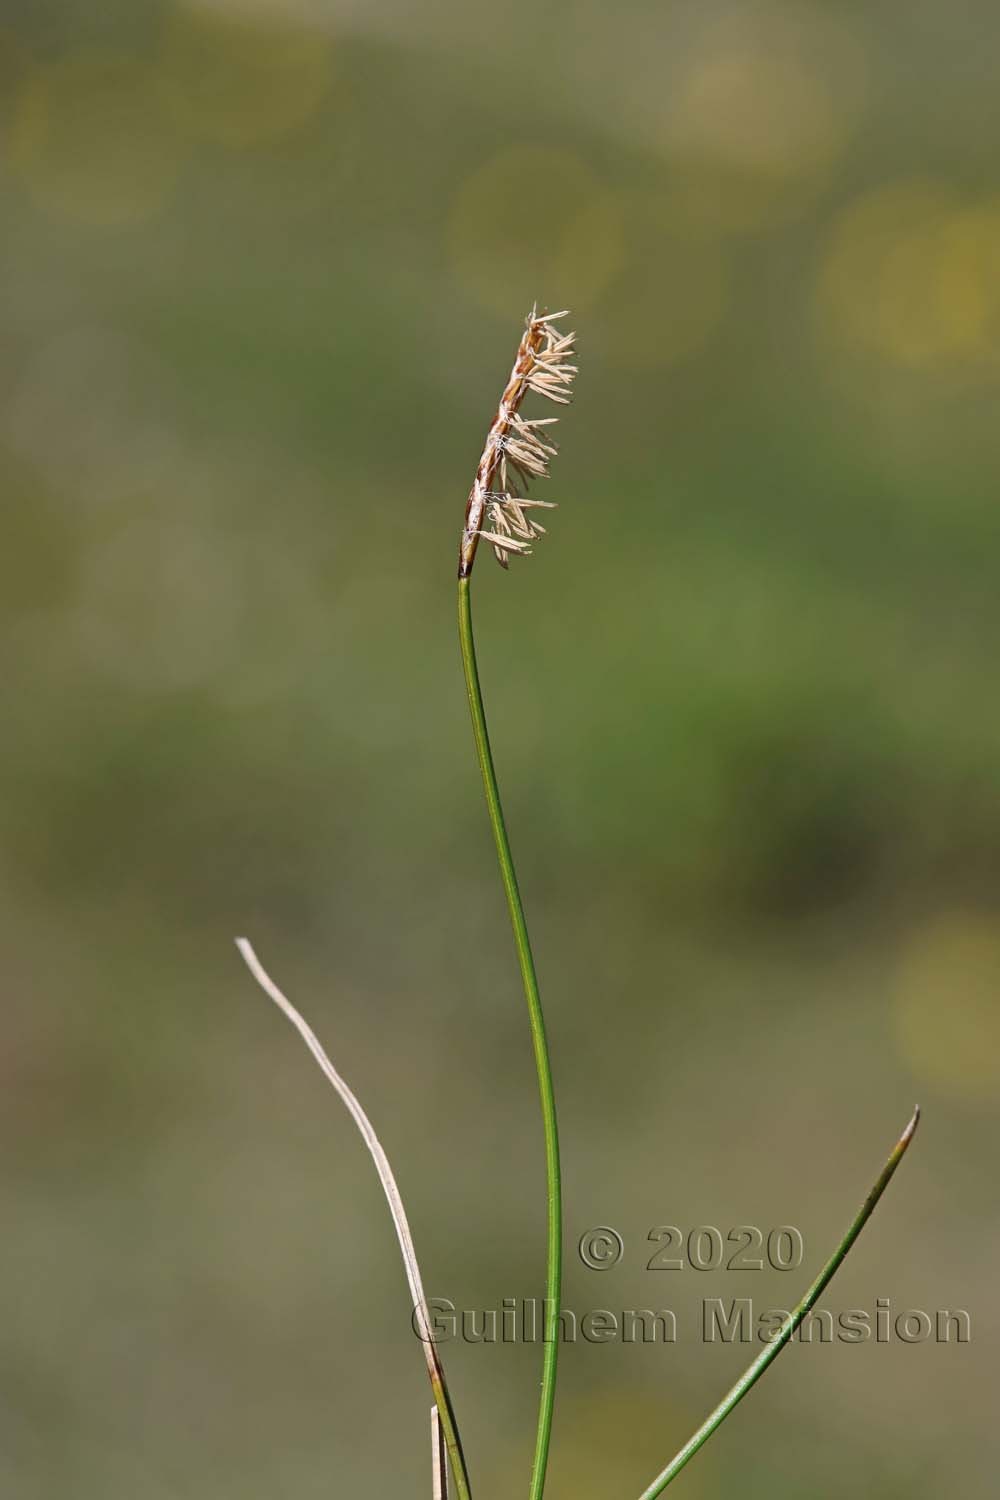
[
  {"x": 791, "y": 1323},
  {"x": 553, "y": 1278}
]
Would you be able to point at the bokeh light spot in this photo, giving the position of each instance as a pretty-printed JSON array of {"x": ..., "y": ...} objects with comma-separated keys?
[
  {"x": 242, "y": 79},
  {"x": 535, "y": 222},
  {"x": 912, "y": 275},
  {"x": 87, "y": 139},
  {"x": 948, "y": 1007},
  {"x": 766, "y": 113},
  {"x": 766, "y": 103}
]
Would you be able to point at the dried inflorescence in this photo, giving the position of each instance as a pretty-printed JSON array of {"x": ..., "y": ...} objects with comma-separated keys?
[{"x": 514, "y": 445}]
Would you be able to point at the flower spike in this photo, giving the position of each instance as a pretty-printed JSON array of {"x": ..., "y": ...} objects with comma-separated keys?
[{"x": 493, "y": 512}]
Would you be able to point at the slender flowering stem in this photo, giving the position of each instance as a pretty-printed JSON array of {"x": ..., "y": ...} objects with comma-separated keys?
[
  {"x": 553, "y": 1278},
  {"x": 503, "y": 519},
  {"x": 788, "y": 1327},
  {"x": 444, "y": 1412}
]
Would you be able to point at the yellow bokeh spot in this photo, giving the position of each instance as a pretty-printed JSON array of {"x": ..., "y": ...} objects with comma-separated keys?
[
  {"x": 672, "y": 290},
  {"x": 86, "y": 138},
  {"x": 535, "y": 222},
  {"x": 948, "y": 1007},
  {"x": 765, "y": 113},
  {"x": 767, "y": 101},
  {"x": 912, "y": 275},
  {"x": 242, "y": 79}
]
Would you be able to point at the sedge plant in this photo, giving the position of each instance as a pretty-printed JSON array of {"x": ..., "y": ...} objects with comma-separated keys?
[{"x": 520, "y": 449}]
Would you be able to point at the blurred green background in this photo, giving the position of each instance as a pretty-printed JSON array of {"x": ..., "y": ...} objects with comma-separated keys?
[{"x": 264, "y": 268}]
